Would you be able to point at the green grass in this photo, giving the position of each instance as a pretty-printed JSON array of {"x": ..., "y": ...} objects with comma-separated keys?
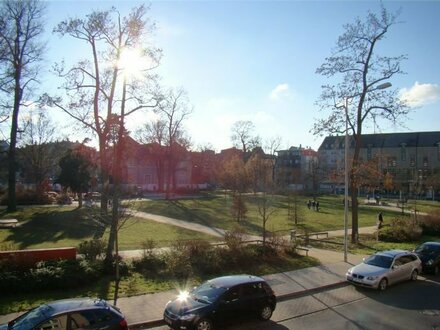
[
  {"x": 215, "y": 212},
  {"x": 368, "y": 244},
  {"x": 51, "y": 227}
]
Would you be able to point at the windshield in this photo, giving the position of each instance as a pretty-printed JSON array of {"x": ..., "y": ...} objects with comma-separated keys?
[
  {"x": 427, "y": 248},
  {"x": 207, "y": 292},
  {"x": 379, "y": 261},
  {"x": 32, "y": 318}
]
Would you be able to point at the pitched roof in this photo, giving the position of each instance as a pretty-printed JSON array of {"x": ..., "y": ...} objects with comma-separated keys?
[{"x": 388, "y": 140}]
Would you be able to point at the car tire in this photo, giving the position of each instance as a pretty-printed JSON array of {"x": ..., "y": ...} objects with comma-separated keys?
[
  {"x": 383, "y": 284},
  {"x": 204, "y": 324},
  {"x": 414, "y": 275},
  {"x": 265, "y": 313}
]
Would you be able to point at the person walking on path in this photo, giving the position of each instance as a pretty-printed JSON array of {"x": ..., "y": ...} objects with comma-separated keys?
[{"x": 379, "y": 220}]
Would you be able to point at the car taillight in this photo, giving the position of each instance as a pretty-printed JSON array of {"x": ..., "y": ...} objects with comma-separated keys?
[{"x": 123, "y": 324}]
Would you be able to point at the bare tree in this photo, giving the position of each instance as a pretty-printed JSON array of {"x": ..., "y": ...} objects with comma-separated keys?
[
  {"x": 102, "y": 92},
  {"x": 362, "y": 73},
  {"x": 169, "y": 133},
  {"x": 21, "y": 52},
  {"x": 243, "y": 136},
  {"x": 98, "y": 91},
  {"x": 38, "y": 154}
]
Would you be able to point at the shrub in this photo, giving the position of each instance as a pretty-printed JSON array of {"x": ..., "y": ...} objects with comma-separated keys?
[
  {"x": 431, "y": 223},
  {"x": 28, "y": 197},
  {"x": 92, "y": 249},
  {"x": 50, "y": 275},
  {"x": 235, "y": 238},
  {"x": 238, "y": 208},
  {"x": 400, "y": 230},
  {"x": 178, "y": 261}
]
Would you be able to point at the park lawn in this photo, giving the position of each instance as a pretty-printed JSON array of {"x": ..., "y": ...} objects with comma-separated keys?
[
  {"x": 51, "y": 227},
  {"x": 214, "y": 211},
  {"x": 368, "y": 244}
]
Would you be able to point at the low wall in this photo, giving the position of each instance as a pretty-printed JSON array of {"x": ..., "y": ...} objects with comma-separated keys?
[{"x": 30, "y": 257}]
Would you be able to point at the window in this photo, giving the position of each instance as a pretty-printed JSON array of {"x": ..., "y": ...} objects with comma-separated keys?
[
  {"x": 82, "y": 319},
  {"x": 369, "y": 153},
  {"x": 403, "y": 152},
  {"x": 232, "y": 294},
  {"x": 425, "y": 161},
  {"x": 391, "y": 161},
  {"x": 59, "y": 322}
]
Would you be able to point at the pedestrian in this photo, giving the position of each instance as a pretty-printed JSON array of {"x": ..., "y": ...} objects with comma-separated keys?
[
  {"x": 379, "y": 220},
  {"x": 317, "y": 206},
  {"x": 309, "y": 204}
]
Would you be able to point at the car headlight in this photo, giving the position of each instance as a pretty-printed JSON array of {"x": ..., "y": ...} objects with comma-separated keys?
[
  {"x": 430, "y": 262},
  {"x": 372, "y": 278},
  {"x": 187, "y": 317}
]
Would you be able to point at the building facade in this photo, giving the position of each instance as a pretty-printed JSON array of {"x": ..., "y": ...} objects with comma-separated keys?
[
  {"x": 406, "y": 163},
  {"x": 295, "y": 169}
]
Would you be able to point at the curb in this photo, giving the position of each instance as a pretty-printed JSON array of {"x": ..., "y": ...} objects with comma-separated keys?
[{"x": 281, "y": 297}]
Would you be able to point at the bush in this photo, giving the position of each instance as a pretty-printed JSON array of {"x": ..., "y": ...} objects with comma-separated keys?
[
  {"x": 431, "y": 223},
  {"x": 400, "y": 230},
  {"x": 50, "y": 275},
  {"x": 28, "y": 197},
  {"x": 235, "y": 238},
  {"x": 149, "y": 263},
  {"x": 92, "y": 249},
  {"x": 178, "y": 261}
]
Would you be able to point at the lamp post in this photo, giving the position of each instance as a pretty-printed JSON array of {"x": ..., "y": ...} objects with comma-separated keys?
[{"x": 382, "y": 86}]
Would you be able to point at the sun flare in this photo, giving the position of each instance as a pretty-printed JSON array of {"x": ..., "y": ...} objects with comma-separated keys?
[{"x": 133, "y": 62}]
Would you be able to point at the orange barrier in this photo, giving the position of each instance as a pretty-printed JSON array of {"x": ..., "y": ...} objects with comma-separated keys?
[{"x": 30, "y": 257}]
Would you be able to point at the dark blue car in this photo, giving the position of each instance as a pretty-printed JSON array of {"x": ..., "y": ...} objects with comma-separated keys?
[
  {"x": 429, "y": 254},
  {"x": 221, "y": 299},
  {"x": 69, "y": 314}
]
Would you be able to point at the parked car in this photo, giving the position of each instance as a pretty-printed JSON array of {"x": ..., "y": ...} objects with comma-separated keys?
[
  {"x": 82, "y": 313},
  {"x": 429, "y": 254},
  {"x": 385, "y": 268},
  {"x": 221, "y": 299}
]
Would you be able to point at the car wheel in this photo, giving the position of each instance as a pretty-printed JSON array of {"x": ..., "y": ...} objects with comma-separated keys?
[
  {"x": 204, "y": 324},
  {"x": 266, "y": 313},
  {"x": 414, "y": 275},
  {"x": 383, "y": 284}
]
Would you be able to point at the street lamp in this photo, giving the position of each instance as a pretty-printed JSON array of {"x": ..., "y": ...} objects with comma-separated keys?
[{"x": 382, "y": 86}]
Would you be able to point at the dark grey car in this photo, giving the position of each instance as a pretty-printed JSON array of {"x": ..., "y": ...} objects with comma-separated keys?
[{"x": 69, "y": 314}]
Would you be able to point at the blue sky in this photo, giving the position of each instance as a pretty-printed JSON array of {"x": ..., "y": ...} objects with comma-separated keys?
[{"x": 256, "y": 60}]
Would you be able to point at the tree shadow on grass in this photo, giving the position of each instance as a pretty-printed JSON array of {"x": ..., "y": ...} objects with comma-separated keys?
[
  {"x": 51, "y": 227},
  {"x": 202, "y": 218}
]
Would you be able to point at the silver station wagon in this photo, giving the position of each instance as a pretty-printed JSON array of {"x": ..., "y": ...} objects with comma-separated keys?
[{"x": 385, "y": 268}]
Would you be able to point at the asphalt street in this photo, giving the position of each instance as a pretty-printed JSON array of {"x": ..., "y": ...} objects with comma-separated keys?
[{"x": 409, "y": 305}]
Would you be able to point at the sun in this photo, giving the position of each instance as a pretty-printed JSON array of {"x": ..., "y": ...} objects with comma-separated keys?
[{"x": 133, "y": 63}]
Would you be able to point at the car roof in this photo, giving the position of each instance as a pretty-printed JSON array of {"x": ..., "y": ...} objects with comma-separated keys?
[
  {"x": 232, "y": 280},
  {"x": 431, "y": 243},
  {"x": 66, "y": 305},
  {"x": 393, "y": 253}
]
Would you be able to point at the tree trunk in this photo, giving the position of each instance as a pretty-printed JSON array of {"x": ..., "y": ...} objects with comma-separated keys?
[{"x": 12, "y": 198}]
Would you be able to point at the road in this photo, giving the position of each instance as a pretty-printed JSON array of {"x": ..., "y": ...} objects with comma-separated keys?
[{"x": 410, "y": 305}]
